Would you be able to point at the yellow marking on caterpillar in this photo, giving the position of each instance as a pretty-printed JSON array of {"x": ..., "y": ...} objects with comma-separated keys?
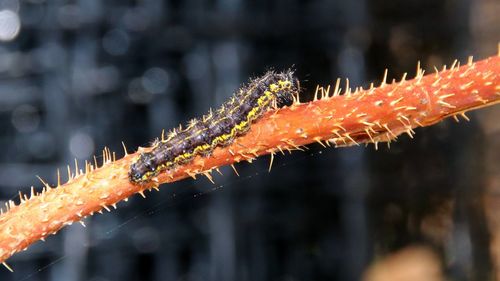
[{"x": 252, "y": 115}]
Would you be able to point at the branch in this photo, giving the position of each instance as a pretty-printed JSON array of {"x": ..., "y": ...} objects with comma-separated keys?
[{"x": 363, "y": 116}]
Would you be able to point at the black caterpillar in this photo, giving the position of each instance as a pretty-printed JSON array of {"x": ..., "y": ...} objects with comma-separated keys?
[{"x": 219, "y": 128}]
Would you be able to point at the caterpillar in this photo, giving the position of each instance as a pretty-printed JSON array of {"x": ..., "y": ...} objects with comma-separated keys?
[{"x": 217, "y": 128}]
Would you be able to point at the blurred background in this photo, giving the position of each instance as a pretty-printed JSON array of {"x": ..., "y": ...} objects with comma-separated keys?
[{"x": 79, "y": 75}]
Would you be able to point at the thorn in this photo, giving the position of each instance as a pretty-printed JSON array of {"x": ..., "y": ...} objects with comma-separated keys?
[
  {"x": 326, "y": 93},
  {"x": 155, "y": 181},
  {"x": 318, "y": 140},
  {"x": 82, "y": 223},
  {"x": 409, "y": 133},
  {"x": 106, "y": 207},
  {"x": 456, "y": 118},
  {"x": 333, "y": 141},
  {"x": 291, "y": 143},
  {"x": 191, "y": 174},
  {"x": 403, "y": 123},
  {"x": 366, "y": 123},
  {"x": 235, "y": 171},
  {"x": 316, "y": 93},
  {"x": 403, "y": 79},
  {"x": 453, "y": 64},
  {"x": 281, "y": 150},
  {"x": 422, "y": 72},
  {"x": 209, "y": 177},
  {"x": 297, "y": 99},
  {"x": 384, "y": 79},
  {"x": 405, "y": 118},
  {"x": 76, "y": 168},
  {"x": 465, "y": 86},
  {"x": 337, "y": 90},
  {"x": 340, "y": 126},
  {"x": 335, "y": 132},
  {"x": 104, "y": 156},
  {"x": 43, "y": 182},
  {"x": 58, "y": 178},
  {"x": 392, "y": 103},
  {"x": 142, "y": 193},
  {"x": 446, "y": 96},
  {"x": 351, "y": 139},
  {"x": 465, "y": 116},
  {"x": 437, "y": 81},
  {"x": 445, "y": 104},
  {"x": 70, "y": 175},
  {"x": 470, "y": 59},
  {"x": 218, "y": 171},
  {"x": 125, "y": 148},
  {"x": 369, "y": 135},
  {"x": 347, "y": 88},
  {"x": 7, "y": 266},
  {"x": 321, "y": 93},
  {"x": 271, "y": 162},
  {"x": 389, "y": 130}
]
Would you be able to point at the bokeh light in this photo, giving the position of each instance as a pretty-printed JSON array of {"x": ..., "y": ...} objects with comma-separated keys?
[{"x": 10, "y": 25}]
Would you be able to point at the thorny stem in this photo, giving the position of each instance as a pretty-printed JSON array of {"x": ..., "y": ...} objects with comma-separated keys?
[{"x": 363, "y": 116}]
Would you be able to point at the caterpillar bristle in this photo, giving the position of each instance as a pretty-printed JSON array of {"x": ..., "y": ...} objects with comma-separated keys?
[{"x": 217, "y": 128}]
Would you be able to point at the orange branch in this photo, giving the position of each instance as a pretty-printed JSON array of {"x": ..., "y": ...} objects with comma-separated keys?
[{"x": 374, "y": 115}]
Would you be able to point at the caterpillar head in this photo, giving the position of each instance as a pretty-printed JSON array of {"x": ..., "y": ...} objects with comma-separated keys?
[
  {"x": 142, "y": 170},
  {"x": 286, "y": 88}
]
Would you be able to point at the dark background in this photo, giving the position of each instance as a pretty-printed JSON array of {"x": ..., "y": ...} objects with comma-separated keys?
[{"x": 81, "y": 75}]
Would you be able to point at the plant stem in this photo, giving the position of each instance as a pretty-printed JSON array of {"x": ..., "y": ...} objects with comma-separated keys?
[{"x": 363, "y": 116}]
